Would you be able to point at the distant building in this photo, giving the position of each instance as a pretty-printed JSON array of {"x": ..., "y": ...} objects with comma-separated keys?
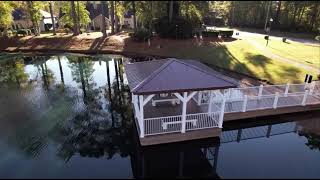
[
  {"x": 21, "y": 20},
  {"x": 46, "y": 21},
  {"x": 128, "y": 19},
  {"x": 96, "y": 23},
  {"x": 95, "y": 10}
]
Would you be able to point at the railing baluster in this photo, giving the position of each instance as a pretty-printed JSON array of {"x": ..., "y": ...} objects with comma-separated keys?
[
  {"x": 275, "y": 102},
  {"x": 245, "y": 101},
  {"x": 260, "y": 90},
  {"x": 287, "y": 90},
  {"x": 305, "y": 97}
]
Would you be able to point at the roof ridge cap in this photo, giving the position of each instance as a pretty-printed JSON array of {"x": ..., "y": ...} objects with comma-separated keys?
[{"x": 151, "y": 76}]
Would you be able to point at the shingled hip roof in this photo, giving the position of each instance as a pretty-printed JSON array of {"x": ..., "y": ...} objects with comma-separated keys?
[{"x": 172, "y": 75}]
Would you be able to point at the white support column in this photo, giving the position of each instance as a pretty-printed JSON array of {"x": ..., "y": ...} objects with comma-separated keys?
[
  {"x": 304, "y": 100},
  {"x": 141, "y": 117},
  {"x": 245, "y": 101},
  {"x": 210, "y": 102},
  {"x": 313, "y": 84},
  {"x": 199, "y": 98},
  {"x": 136, "y": 107},
  {"x": 260, "y": 91},
  {"x": 223, "y": 104},
  {"x": 184, "y": 112},
  {"x": 287, "y": 90},
  {"x": 275, "y": 102}
]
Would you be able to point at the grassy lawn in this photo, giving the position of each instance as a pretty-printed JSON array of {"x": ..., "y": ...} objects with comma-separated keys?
[
  {"x": 240, "y": 56},
  {"x": 296, "y": 51}
]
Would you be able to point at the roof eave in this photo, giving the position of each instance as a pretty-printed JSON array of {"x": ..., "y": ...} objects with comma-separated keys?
[{"x": 181, "y": 90}]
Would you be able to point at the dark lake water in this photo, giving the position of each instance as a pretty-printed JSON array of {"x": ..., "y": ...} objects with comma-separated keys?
[{"x": 70, "y": 116}]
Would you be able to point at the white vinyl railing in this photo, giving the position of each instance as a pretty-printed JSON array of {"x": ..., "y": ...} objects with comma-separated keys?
[
  {"x": 238, "y": 94},
  {"x": 235, "y": 100},
  {"x": 162, "y": 125},
  {"x": 170, "y": 124},
  {"x": 202, "y": 121}
]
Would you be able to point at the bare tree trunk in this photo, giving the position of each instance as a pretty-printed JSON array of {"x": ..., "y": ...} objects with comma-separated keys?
[
  {"x": 34, "y": 23},
  {"x": 116, "y": 19},
  {"x": 112, "y": 17},
  {"x": 301, "y": 14},
  {"x": 134, "y": 17},
  {"x": 294, "y": 15},
  {"x": 150, "y": 24},
  {"x": 170, "y": 11},
  {"x": 277, "y": 17},
  {"x": 52, "y": 18},
  {"x": 75, "y": 19},
  {"x": 314, "y": 14},
  {"x": 78, "y": 10},
  {"x": 103, "y": 22},
  {"x": 267, "y": 18}
]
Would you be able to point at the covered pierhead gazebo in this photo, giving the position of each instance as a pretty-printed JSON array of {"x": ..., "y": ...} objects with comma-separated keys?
[{"x": 167, "y": 83}]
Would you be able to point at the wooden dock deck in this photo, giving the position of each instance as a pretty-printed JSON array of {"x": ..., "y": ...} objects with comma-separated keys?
[
  {"x": 211, "y": 132},
  {"x": 202, "y": 117},
  {"x": 178, "y": 137}
]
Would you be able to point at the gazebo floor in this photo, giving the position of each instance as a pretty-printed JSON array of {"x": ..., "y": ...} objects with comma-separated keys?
[{"x": 167, "y": 109}]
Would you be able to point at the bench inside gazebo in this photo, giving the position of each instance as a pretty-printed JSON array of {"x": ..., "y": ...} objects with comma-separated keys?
[{"x": 167, "y": 95}]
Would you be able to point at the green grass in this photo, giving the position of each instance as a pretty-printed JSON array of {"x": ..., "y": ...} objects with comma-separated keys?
[
  {"x": 242, "y": 57},
  {"x": 296, "y": 51}
]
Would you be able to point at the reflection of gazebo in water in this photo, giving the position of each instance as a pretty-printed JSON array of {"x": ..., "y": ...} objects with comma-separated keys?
[
  {"x": 190, "y": 159},
  {"x": 166, "y": 95}
]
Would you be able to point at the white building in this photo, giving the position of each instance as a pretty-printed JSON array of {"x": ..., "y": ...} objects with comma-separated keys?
[{"x": 46, "y": 21}]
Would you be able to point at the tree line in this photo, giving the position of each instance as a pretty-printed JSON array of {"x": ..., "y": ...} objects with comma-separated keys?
[{"x": 303, "y": 16}]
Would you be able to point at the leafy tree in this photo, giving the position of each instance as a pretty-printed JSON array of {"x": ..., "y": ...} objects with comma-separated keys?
[
  {"x": 6, "y": 19},
  {"x": 35, "y": 15},
  {"x": 67, "y": 18}
]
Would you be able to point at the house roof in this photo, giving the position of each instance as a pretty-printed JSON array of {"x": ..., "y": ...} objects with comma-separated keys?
[
  {"x": 46, "y": 14},
  {"x": 96, "y": 10},
  {"x": 173, "y": 75},
  {"x": 19, "y": 14}
]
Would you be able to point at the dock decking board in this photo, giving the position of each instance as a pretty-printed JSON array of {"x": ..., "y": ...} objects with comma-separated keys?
[{"x": 176, "y": 137}]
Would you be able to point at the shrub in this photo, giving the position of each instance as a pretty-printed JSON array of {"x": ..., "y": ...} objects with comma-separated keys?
[
  {"x": 317, "y": 38},
  {"x": 11, "y": 33},
  {"x": 210, "y": 33},
  {"x": 141, "y": 35},
  {"x": 24, "y": 32},
  {"x": 179, "y": 28},
  {"x": 226, "y": 33}
]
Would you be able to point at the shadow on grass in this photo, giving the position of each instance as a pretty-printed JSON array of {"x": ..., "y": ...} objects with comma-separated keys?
[{"x": 258, "y": 60}]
